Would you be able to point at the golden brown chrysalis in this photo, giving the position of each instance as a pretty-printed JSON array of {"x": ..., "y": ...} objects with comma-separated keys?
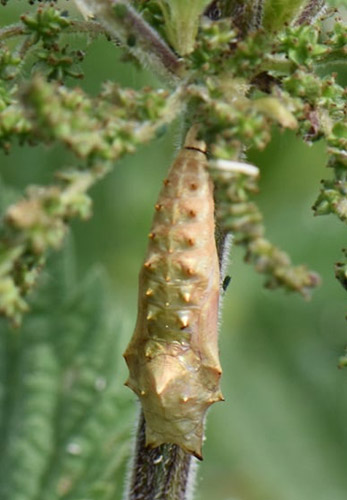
[{"x": 173, "y": 355}]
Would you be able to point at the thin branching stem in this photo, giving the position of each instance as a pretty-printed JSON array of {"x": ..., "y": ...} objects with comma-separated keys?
[
  {"x": 310, "y": 12},
  {"x": 123, "y": 22},
  {"x": 12, "y": 31},
  {"x": 278, "y": 64},
  {"x": 76, "y": 26}
]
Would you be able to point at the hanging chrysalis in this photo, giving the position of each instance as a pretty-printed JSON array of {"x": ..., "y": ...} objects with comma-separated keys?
[{"x": 173, "y": 355}]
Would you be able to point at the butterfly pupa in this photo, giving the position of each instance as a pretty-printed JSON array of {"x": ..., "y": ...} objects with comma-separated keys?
[{"x": 173, "y": 355}]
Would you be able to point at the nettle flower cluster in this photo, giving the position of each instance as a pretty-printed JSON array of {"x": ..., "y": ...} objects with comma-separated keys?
[{"x": 236, "y": 68}]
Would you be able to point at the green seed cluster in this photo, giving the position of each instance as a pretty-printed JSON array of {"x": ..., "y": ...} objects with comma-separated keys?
[
  {"x": 97, "y": 130},
  {"x": 236, "y": 214},
  {"x": 267, "y": 81},
  {"x": 237, "y": 83},
  {"x": 103, "y": 128}
]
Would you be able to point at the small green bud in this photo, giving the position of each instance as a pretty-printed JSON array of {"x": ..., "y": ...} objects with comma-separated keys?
[
  {"x": 182, "y": 21},
  {"x": 276, "y": 110},
  {"x": 278, "y": 13},
  {"x": 120, "y": 10},
  {"x": 301, "y": 44},
  {"x": 11, "y": 302},
  {"x": 131, "y": 40},
  {"x": 332, "y": 199},
  {"x": 341, "y": 272},
  {"x": 342, "y": 361},
  {"x": 46, "y": 24}
]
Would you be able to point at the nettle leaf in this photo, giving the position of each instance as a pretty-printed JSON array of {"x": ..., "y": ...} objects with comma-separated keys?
[{"x": 64, "y": 417}]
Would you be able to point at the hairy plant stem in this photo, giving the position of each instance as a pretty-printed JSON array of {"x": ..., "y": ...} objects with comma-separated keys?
[
  {"x": 161, "y": 473},
  {"x": 92, "y": 28},
  {"x": 12, "y": 31},
  {"x": 312, "y": 9},
  {"x": 123, "y": 22},
  {"x": 89, "y": 27}
]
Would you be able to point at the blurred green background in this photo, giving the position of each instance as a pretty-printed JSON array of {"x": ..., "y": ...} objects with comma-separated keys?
[{"x": 282, "y": 432}]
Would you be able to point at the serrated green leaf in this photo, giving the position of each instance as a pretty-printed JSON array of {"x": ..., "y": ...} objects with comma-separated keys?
[{"x": 64, "y": 412}]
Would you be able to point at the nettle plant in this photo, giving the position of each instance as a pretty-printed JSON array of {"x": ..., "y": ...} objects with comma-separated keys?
[{"x": 232, "y": 71}]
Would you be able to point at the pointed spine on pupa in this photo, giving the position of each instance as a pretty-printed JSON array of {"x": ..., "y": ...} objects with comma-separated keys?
[{"x": 173, "y": 354}]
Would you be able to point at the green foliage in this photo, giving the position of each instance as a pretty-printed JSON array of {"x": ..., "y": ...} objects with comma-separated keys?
[
  {"x": 104, "y": 128},
  {"x": 273, "y": 78},
  {"x": 248, "y": 68},
  {"x": 181, "y": 22},
  {"x": 277, "y": 13},
  {"x": 45, "y": 25},
  {"x": 301, "y": 44},
  {"x": 64, "y": 415},
  {"x": 341, "y": 271},
  {"x": 243, "y": 219},
  {"x": 153, "y": 14},
  {"x": 97, "y": 130}
]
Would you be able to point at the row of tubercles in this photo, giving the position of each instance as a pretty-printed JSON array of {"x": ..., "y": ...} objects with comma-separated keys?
[{"x": 160, "y": 239}]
